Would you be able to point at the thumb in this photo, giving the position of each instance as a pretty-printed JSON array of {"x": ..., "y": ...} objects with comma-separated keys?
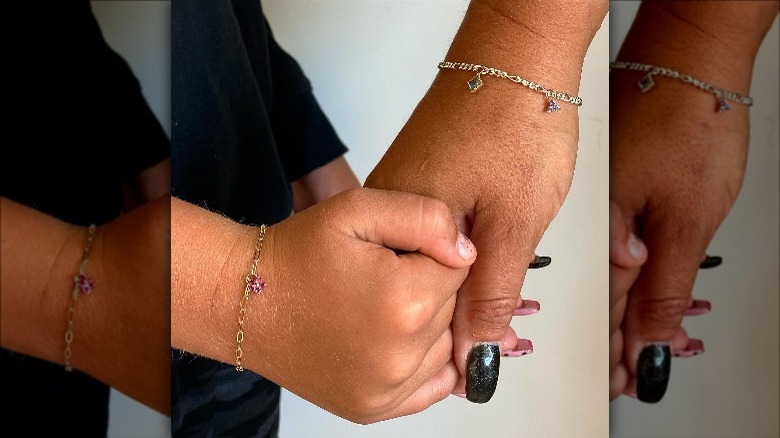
[
  {"x": 485, "y": 305},
  {"x": 658, "y": 299},
  {"x": 626, "y": 255},
  {"x": 409, "y": 222},
  {"x": 626, "y": 250}
]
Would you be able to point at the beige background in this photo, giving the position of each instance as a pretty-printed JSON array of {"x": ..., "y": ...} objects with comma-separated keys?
[
  {"x": 732, "y": 389},
  {"x": 370, "y": 63},
  {"x": 141, "y": 33}
]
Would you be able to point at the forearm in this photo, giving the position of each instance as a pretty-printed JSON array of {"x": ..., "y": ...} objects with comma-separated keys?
[
  {"x": 203, "y": 247},
  {"x": 120, "y": 329},
  {"x": 39, "y": 258}
]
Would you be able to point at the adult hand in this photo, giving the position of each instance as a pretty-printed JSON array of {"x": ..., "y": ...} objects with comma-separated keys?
[
  {"x": 499, "y": 161},
  {"x": 677, "y": 164},
  {"x": 674, "y": 180}
]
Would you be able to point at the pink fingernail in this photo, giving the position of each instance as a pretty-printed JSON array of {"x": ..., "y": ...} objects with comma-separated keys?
[
  {"x": 523, "y": 347},
  {"x": 695, "y": 347},
  {"x": 461, "y": 395},
  {"x": 698, "y": 307},
  {"x": 630, "y": 394},
  {"x": 465, "y": 247},
  {"x": 526, "y": 307}
]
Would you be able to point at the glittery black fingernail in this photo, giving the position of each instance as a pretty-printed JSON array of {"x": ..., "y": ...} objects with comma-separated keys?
[
  {"x": 710, "y": 262},
  {"x": 482, "y": 372},
  {"x": 653, "y": 368},
  {"x": 539, "y": 262}
]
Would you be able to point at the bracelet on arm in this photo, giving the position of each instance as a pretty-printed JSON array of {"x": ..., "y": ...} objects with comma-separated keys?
[
  {"x": 254, "y": 283},
  {"x": 476, "y": 83},
  {"x": 646, "y": 83},
  {"x": 84, "y": 284}
]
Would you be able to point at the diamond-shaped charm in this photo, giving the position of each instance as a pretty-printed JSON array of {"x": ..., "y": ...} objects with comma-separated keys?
[
  {"x": 723, "y": 106},
  {"x": 646, "y": 83},
  {"x": 475, "y": 83},
  {"x": 553, "y": 107}
]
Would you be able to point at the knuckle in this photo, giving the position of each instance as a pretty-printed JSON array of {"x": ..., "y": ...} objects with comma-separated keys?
[
  {"x": 661, "y": 318},
  {"x": 491, "y": 318},
  {"x": 434, "y": 213},
  {"x": 412, "y": 317},
  {"x": 367, "y": 409}
]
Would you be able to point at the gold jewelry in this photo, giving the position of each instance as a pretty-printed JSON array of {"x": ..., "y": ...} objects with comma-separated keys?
[
  {"x": 82, "y": 283},
  {"x": 646, "y": 83},
  {"x": 476, "y": 83},
  {"x": 254, "y": 283}
]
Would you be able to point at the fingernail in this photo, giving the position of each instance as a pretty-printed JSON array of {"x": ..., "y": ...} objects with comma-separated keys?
[
  {"x": 466, "y": 249},
  {"x": 482, "y": 372},
  {"x": 460, "y": 394},
  {"x": 539, "y": 262},
  {"x": 653, "y": 369},
  {"x": 635, "y": 247},
  {"x": 526, "y": 307},
  {"x": 695, "y": 347},
  {"x": 710, "y": 262},
  {"x": 698, "y": 307},
  {"x": 523, "y": 347},
  {"x": 630, "y": 394}
]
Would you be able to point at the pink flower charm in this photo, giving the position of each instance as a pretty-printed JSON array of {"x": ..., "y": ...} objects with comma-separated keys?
[
  {"x": 256, "y": 284},
  {"x": 84, "y": 283}
]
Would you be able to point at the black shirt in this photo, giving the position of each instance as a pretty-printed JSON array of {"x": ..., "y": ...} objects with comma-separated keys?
[
  {"x": 245, "y": 125},
  {"x": 75, "y": 127}
]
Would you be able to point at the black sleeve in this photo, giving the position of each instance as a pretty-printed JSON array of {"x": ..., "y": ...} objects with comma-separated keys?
[
  {"x": 130, "y": 126},
  {"x": 305, "y": 138}
]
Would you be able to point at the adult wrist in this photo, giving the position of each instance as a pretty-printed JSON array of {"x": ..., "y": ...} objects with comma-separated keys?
[{"x": 664, "y": 35}]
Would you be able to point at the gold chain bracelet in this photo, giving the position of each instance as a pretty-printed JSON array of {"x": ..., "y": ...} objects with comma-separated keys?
[
  {"x": 84, "y": 284},
  {"x": 254, "y": 283},
  {"x": 476, "y": 83}
]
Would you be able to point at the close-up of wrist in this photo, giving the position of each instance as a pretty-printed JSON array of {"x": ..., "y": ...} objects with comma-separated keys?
[
  {"x": 719, "y": 52},
  {"x": 517, "y": 37}
]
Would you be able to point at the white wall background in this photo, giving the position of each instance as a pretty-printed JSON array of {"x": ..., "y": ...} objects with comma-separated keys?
[
  {"x": 732, "y": 389},
  {"x": 141, "y": 33},
  {"x": 370, "y": 63}
]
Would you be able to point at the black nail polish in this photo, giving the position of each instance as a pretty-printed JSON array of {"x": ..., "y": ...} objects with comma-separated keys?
[
  {"x": 482, "y": 372},
  {"x": 653, "y": 368},
  {"x": 539, "y": 262},
  {"x": 710, "y": 262}
]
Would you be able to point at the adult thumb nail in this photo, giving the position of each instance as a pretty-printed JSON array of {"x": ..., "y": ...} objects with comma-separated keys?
[
  {"x": 482, "y": 367},
  {"x": 653, "y": 368}
]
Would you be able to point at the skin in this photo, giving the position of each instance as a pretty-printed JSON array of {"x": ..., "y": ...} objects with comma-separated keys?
[
  {"x": 365, "y": 330},
  {"x": 676, "y": 170},
  {"x": 322, "y": 183},
  {"x": 499, "y": 161},
  {"x": 120, "y": 330},
  {"x": 378, "y": 355}
]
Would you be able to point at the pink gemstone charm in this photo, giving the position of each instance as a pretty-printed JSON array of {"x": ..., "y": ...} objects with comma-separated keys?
[
  {"x": 256, "y": 284},
  {"x": 84, "y": 283}
]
